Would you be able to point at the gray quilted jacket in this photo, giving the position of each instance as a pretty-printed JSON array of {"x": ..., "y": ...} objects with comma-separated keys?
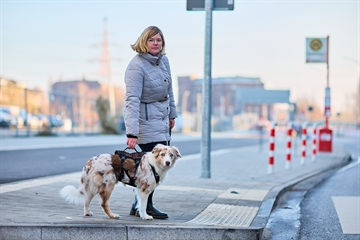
[{"x": 149, "y": 99}]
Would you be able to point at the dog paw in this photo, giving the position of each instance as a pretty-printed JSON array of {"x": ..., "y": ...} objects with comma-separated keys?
[
  {"x": 148, "y": 217},
  {"x": 88, "y": 214},
  {"x": 115, "y": 216}
]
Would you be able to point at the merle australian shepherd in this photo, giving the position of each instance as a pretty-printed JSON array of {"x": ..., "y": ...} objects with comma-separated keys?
[{"x": 100, "y": 174}]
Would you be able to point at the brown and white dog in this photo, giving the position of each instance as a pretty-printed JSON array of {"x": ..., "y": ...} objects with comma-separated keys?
[{"x": 100, "y": 174}]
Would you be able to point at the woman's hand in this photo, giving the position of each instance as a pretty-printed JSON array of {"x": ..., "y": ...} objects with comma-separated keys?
[
  {"x": 171, "y": 122},
  {"x": 131, "y": 142}
]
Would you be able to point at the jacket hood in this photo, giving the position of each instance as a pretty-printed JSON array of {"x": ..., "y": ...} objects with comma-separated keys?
[{"x": 152, "y": 59}]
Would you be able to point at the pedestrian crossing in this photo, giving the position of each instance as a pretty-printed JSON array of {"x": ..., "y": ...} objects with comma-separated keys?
[{"x": 348, "y": 211}]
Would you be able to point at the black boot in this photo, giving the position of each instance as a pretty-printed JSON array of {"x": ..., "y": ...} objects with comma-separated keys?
[
  {"x": 153, "y": 211},
  {"x": 133, "y": 207},
  {"x": 150, "y": 209}
]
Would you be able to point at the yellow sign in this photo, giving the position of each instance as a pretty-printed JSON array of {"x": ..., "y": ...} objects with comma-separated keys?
[
  {"x": 316, "y": 44},
  {"x": 316, "y": 50}
]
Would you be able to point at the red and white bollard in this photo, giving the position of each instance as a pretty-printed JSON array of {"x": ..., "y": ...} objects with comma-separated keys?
[
  {"x": 288, "y": 145},
  {"x": 271, "y": 148},
  {"x": 303, "y": 144},
  {"x": 313, "y": 156}
]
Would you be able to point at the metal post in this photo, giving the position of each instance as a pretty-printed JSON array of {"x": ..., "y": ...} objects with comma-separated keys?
[
  {"x": 206, "y": 96},
  {"x": 327, "y": 62},
  {"x": 261, "y": 128},
  {"x": 72, "y": 116},
  {"x": 288, "y": 145},
  {"x": 49, "y": 116},
  {"x": 327, "y": 78},
  {"x": 303, "y": 143},
  {"x": 271, "y": 149},
  {"x": 27, "y": 113},
  {"x": 314, "y": 145}
]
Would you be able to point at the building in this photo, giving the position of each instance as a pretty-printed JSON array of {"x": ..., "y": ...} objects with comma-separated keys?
[
  {"x": 268, "y": 104},
  {"x": 77, "y": 100},
  {"x": 223, "y": 93},
  {"x": 234, "y": 97},
  {"x": 15, "y": 93}
]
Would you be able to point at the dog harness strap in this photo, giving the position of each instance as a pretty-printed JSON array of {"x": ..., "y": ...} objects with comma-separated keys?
[
  {"x": 122, "y": 169},
  {"x": 132, "y": 180},
  {"x": 136, "y": 157},
  {"x": 156, "y": 175}
]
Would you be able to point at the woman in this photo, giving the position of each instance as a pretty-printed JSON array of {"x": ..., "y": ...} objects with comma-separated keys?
[{"x": 149, "y": 110}]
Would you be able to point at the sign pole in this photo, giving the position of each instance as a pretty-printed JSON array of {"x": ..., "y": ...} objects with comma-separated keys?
[
  {"x": 317, "y": 51},
  {"x": 206, "y": 96},
  {"x": 327, "y": 98},
  {"x": 208, "y": 6}
]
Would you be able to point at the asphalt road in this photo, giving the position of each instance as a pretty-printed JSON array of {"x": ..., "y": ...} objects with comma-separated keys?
[
  {"x": 323, "y": 205},
  {"x": 307, "y": 210},
  {"x": 28, "y": 164}
]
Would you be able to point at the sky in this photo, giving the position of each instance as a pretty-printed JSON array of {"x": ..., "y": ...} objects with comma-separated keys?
[{"x": 49, "y": 40}]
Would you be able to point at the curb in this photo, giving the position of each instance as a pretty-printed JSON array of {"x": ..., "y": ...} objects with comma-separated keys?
[
  {"x": 125, "y": 232},
  {"x": 271, "y": 200}
]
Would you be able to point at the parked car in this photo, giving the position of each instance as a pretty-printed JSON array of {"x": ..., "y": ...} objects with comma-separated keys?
[
  {"x": 56, "y": 121},
  {"x": 33, "y": 121},
  {"x": 43, "y": 120},
  {"x": 15, "y": 113},
  {"x": 5, "y": 119},
  {"x": 6, "y": 110}
]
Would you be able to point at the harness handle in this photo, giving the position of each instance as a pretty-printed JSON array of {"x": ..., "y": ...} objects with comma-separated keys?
[{"x": 133, "y": 149}]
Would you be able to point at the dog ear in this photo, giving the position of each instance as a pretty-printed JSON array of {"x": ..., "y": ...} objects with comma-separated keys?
[
  {"x": 177, "y": 152},
  {"x": 156, "y": 151}
]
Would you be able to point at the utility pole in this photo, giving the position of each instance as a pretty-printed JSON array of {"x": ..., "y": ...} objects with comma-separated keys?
[{"x": 105, "y": 69}]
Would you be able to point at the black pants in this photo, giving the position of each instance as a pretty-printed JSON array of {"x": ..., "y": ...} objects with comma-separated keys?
[{"x": 148, "y": 147}]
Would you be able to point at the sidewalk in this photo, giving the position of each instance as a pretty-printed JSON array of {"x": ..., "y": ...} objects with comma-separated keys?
[{"x": 234, "y": 203}]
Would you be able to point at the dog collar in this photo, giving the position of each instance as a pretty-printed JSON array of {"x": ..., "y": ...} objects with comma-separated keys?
[{"x": 156, "y": 175}]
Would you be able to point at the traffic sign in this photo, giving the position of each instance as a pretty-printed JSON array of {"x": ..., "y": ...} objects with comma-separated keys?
[
  {"x": 316, "y": 50},
  {"x": 218, "y": 5}
]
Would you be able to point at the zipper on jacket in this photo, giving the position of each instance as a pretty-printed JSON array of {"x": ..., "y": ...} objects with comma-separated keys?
[{"x": 146, "y": 113}]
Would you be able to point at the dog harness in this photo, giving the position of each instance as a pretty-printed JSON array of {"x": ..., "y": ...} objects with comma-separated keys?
[
  {"x": 156, "y": 175},
  {"x": 136, "y": 157}
]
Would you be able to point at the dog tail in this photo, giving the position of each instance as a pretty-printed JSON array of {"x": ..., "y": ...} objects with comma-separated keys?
[{"x": 72, "y": 195}]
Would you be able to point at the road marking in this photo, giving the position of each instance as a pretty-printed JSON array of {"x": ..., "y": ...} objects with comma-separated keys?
[
  {"x": 348, "y": 211},
  {"x": 10, "y": 187},
  {"x": 349, "y": 166}
]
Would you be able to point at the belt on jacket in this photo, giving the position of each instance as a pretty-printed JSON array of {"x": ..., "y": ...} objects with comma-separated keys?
[{"x": 167, "y": 97}]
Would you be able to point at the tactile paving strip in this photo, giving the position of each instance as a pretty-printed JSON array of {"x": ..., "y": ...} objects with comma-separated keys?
[
  {"x": 189, "y": 189},
  {"x": 226, "y": 215}
]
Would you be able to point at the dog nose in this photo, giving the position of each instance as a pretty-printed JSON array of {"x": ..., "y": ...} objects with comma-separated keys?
[{"x": 167, "y": 163}]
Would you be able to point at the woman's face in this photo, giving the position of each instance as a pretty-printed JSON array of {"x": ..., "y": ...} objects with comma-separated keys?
[{"x": 154, "y": 44}]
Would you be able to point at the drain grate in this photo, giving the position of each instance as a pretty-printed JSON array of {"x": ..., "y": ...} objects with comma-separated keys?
[{"x": 226, "y": 215}]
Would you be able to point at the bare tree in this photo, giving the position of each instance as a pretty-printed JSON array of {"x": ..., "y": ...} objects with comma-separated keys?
[
  {"x": 308, "y": 106},
  {"x": 107, "y": 123}
]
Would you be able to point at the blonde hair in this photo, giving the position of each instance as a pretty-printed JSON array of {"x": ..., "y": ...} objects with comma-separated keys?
[{"x": 140, "y": 44}]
